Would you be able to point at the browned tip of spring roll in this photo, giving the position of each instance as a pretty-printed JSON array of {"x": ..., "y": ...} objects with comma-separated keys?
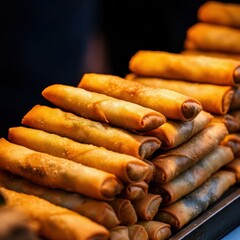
[
  {"x": 157, "y": 230},
  {"x": 55, "y": 222},
  {"x": 124, "y": 211},
  {"x": 233, "y": 141},
  {"x": 234, "y": 166},
  {"x": 147, "y": 207},
  {"x": 119, "y": 233},
  {"x": 190, "y": 109},
  {"x": 137, "y": 232},
  {"x": 151, "y": 172},
  {"x": 236, "y": 74}
]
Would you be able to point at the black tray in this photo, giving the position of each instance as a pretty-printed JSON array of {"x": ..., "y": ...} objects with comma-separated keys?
[{"x": 217, "y": 221}]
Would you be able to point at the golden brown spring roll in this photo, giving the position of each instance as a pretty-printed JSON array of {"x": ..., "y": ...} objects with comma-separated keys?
[
  {"x": 206, "y": 36},
  {"x": 199, "y": 69},
  {"x": 55, "y": 172},
  {"x": 98, "y": 211},
  {"x": 124, "y": 211},
  {"x": 156, "y": 230},
  {"x": 151, "y": 173},
  {"x": 99, "y": 107},
  {"x": 147, "y": 207},
  {"x": 119, "y": 233},
  {"x": 134, "y": 191},
  {"x": 235, "y": 104},
  {"x": 173, "y": 133},
  {"x": 233, "y": 141},
  {"x": 54, "y": 120},
  {"x": 173, "y": 162},
  {"x": 214, "y": 98},
  {"x": 232, "y": 123},
  {"x": 137, "y": 232},
  {"x": 126, "y": 167},
  {"x": 194, "y": 176},
  {"x": 189, "y": 207},
  {"x": 171, "y": 104},
  {"x": 220, "y": 13},
  {"x": 234, "y": 166},
  {"x": 55, "y": 222}
]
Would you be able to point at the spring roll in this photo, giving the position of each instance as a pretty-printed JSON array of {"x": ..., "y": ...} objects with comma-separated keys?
[
  {"x": 134, "y": 191},
  {"x": 55, "y": 222},
  {"x": 98, "y": 211},
  {"x": 235, "y": 104},
  {"x": 205, "y": 36},
  {"x": 189, "y": 207},
  {"x": 99, "y": 107},
  {"x": 55, "y": 172},
  {"x": 54, "y": 120},
  {"x": 173, "y": 162},
  {"x": 151, "y": 173},
  {"x": 233, "y": 141},
  {"x": 147, "y": 207},
  {"x": 119, "y": 233},
  {"x": 194, "y": 176},
  {"x": 157, "y": 230},
  {"x": 220, "y": 13},
  {"x": 234, "y": 166},
  {"x": 137, "y": 232},
  {"x": 199, "y": 69},
  {"x": 173, "y": 133},
  {"x": 126, "y": 167},
  {"x": 214, "y": 98},
  {"x": 171, "y": 104},
  {"x": 124, "y": 211}
]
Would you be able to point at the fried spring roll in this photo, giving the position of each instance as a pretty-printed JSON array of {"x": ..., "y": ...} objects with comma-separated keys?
[
  {"x": 220, "y": 13},
  {"x": 137, "y": 232},
  {"x": 189, "y": 207},
  {"x": 171, "y": 104},
  {"x": 54, "y": 120},
  {"x": 173, "y": 162},
  {"x": 234, "y": 166},
  {"x": 173, "y": 133},
  {"x": 126, "y": 167},
  {"x": 119, "y": 233},
  {"x": 99, "y": 107},
  {"x": 54, "y": 172},
  {"x": 147, "y": 207},
  {"x": 214, "y": 98},
  {"x": 233, "y": 141},
  {"x": 151, "y": 173},
  {"x": 55, "y": 222},
  {"x": 206, "y": 36},
  {"x": 199, "y": 69},
  {"x": 124, "y": 211},
  {"x": 235, "y": 104},
  {"x": 135, "y": 191},
  {"x": 194, "y": 176},
  {"x": 98, "y": 211},
  {"x": 156, "y": 230}
]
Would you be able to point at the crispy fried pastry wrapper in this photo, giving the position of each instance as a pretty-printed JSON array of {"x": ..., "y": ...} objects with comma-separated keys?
[
  {"x": 214, "y": 98},
  {"x": 199, "y": 69},
  {"x": 235, "y": 104},
  {"x": 232, "y": 123},
  {"x": 220, "y": 13},
  {"x": 99, "y": 107},
  {"x": 193, "y": 177},
  {"x": 233, "y": 141},
  {"x": 206, "y": 36},
  {"x": 124, "y": 211},
  {"x": 55, "y": 222},
  {"x": 54, "y": 120},
  {"x": 151, "y": 173},
  {"x": 119, "y": 233},
  {"x": 156, "y": 230},
  {"x": 234, "y": 166},
  {"x": 173, "y": 162},
  {"x": 171, "y": 104},
  {"x": 55, "y": 172},
  {"x": 137, "y": 232},
  {"x": 126, "y": 167},
  {"x": 134, "y": 191},
  {"x": 147, "y": 207},
  {"x": 217, "y": 54},
  {"x": 189, "y": 207},
  {"x": 98, "y": 211},
  {"x": 173, "y": 133}
]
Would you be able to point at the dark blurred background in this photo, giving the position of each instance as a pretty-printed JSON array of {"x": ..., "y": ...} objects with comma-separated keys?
[{"x": 56, "y": 41}]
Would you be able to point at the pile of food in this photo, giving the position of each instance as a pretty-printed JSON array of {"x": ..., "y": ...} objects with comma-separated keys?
[{"x": 126, "y": 158}]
